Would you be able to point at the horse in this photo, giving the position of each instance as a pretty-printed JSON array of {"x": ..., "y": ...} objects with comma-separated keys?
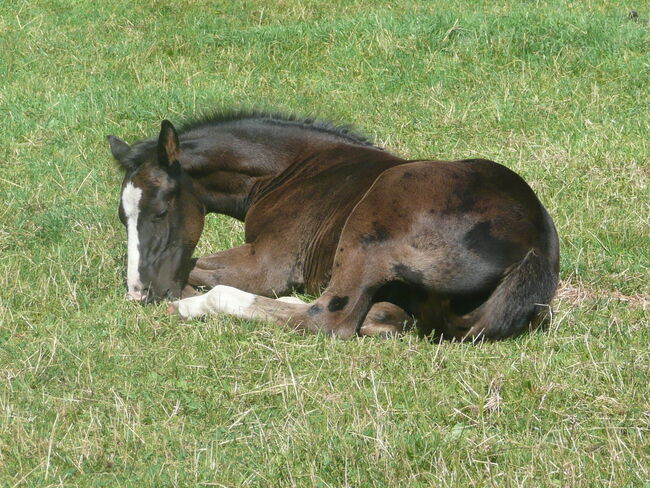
[{"x": 464, "y": 249}]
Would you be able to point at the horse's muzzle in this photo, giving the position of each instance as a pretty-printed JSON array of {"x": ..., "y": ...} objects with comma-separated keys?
[
  {"x": 148, "y": 297},
  {"x": 134, "y": 295}
]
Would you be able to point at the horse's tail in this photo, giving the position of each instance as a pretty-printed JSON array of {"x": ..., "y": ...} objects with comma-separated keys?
[{"x": 521, "y": 297}]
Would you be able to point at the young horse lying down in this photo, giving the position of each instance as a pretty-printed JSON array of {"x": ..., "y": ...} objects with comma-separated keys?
[{"x": 463, "y": 247}]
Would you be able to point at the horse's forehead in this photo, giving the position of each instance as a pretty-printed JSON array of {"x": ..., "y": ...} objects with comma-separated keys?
[
  {"x": 149, "y": 181},
  {"x": 135, "y": 185}
]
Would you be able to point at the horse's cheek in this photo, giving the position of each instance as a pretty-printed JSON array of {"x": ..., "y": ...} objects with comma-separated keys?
[{"x": 193, "y": 228}]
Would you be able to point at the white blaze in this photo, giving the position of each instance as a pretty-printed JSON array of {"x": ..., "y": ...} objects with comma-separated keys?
[{"x": 131, "y": 205}]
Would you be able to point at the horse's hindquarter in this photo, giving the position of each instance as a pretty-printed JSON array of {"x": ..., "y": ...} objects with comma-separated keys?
[
  {"x": 449, "y": 226},
  {"x": 299, "y": 221}
]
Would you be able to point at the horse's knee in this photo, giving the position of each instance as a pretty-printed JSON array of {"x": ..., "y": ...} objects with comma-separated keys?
[{"x": 330, "y": 315}]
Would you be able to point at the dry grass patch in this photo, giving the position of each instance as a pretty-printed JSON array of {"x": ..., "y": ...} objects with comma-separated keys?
[{"x": 577, "y": 293}]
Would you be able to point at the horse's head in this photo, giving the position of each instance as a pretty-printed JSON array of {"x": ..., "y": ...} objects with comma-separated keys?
[{"x": 162, "y": 215}]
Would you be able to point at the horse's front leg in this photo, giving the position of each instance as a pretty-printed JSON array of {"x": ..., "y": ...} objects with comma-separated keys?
[
  {"x": 340, "y": 311},
  {"x": 247, "y": 268}
]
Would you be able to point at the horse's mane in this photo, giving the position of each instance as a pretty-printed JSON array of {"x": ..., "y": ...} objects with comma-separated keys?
[
  {"x": 140, "y": 150},
  {"x": 238, "y": 117}
]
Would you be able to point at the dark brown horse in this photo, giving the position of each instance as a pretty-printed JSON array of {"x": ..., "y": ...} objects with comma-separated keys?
[{"x": 463, "y": 247}]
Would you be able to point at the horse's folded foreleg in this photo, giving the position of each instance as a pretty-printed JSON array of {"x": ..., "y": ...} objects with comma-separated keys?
[
  {"x": 232, "y": 301},
  {"x": 246, "y": 268}
]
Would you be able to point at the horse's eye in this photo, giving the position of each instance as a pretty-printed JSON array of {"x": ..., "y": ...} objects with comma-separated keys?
[{"x": 161, "y": 214}]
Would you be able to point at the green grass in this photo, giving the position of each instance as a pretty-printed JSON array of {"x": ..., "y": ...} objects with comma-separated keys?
[{"x": 98, "y": 391}]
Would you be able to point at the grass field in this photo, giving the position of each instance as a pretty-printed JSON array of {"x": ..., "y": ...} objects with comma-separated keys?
[{"x": 95, "y": 391}]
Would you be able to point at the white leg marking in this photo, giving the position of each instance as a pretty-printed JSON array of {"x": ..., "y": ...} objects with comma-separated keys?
[
  {"x": 225, "y": 299},
  {"x": 188, "y": 308},
  {"x": 290, "y": 300},
  {"x": 131, "y": 205}
]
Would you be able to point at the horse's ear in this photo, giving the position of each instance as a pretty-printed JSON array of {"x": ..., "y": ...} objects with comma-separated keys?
[
  {"x": 168, "y": 147},
  {"x": 119, "y": 148}
]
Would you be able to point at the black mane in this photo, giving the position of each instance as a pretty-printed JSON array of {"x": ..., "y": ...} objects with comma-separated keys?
[
  {"x": 242, "y": 116},
  {"x": 141, "y": 150}
]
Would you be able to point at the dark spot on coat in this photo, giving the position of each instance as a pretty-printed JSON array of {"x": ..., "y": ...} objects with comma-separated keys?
[
  {"x": 408, "y": 175},
  {"x": 481, "y": 240},
  {"x": 466, "y": 203},
  {"x": 408, "y": 275},
  {"x": 337, "y": 303},
  {"x": 378, "y": 233}
]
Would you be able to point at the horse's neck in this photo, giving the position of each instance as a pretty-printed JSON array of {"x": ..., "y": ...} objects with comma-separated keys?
[
  {"x": 230, "y": 164},
  {"x": 225, "y": 169},
  {"x": 225, "y": 190},
  {"x": 217, "y": 197}
]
